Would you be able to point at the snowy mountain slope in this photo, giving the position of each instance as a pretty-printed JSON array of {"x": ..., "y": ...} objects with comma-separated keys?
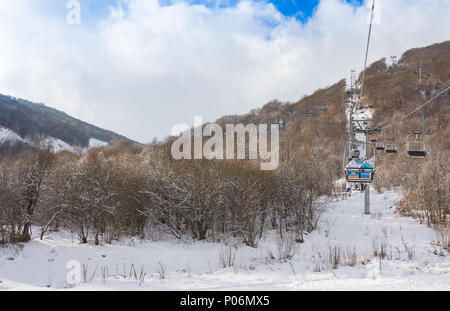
[
  {"x": 29, "y": 119},
  {"x": 411, "y": 260},
  {"x": 93, "y": 143},
  {"x": 8, "y": 136},
  {"x": 58, "y": 144}
]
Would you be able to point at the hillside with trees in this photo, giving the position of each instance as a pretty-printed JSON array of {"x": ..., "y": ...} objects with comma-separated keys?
[{"x": 30, "y": 120}]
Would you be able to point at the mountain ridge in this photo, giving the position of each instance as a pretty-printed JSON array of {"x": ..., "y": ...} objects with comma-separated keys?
[{"x": 28, "y": 120}]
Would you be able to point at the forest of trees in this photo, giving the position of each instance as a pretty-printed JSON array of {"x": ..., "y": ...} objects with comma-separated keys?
[
  {"x": 111, "y": 192},
  {"x": 126, "y": 190}
]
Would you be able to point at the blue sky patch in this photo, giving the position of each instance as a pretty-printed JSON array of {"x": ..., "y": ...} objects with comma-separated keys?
[{"x": 98, "y": 9}]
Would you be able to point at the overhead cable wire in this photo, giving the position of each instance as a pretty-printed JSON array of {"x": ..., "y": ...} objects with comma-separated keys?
[
  {"x": 418, "y": 108},
  {"x": 367, "y": 50}
]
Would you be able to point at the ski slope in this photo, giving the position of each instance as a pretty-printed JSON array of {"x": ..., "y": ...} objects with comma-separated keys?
[
  {"x": 412, "y": 262},
  {"x": 362, "y": 114}
]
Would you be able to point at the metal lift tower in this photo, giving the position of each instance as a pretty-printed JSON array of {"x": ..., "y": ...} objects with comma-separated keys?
[{"x": 368, "y": 128}]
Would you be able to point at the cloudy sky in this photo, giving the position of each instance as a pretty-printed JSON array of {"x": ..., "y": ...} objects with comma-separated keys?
[{"x": 138, "y": 67}]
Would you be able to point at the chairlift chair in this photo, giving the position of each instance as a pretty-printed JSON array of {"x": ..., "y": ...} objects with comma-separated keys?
[
  {"x": 355, "y": 154},
  {"x": 359, "y": 170},
  {"x": 391, "y": 148},
  {"x": 360, "y": 175},
  {"x": 415, "y": 148},
  {"x": 379, "y": 145}
]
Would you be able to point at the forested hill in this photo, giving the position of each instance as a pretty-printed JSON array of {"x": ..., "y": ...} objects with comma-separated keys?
[
  {"x": 28, "y": 120},
  {"x": 318, "y": 121}
]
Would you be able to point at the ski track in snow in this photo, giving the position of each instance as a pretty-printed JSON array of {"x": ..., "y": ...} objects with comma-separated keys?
[{"x": 41, "y": 265}]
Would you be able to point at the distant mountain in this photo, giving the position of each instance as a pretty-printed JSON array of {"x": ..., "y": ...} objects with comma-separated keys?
[{"x": 21, "y": 121}]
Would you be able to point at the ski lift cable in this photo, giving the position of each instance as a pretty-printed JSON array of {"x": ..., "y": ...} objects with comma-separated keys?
[
  {"x": 418, "y": 108},
  {"x": 367, "y": 50}
]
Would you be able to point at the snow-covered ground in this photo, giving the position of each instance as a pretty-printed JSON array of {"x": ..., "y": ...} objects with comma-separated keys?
[{"x": 412, "y": 261}]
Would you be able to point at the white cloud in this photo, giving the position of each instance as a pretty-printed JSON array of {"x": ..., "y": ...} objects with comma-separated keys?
[{"x": 148, "y": 67}]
